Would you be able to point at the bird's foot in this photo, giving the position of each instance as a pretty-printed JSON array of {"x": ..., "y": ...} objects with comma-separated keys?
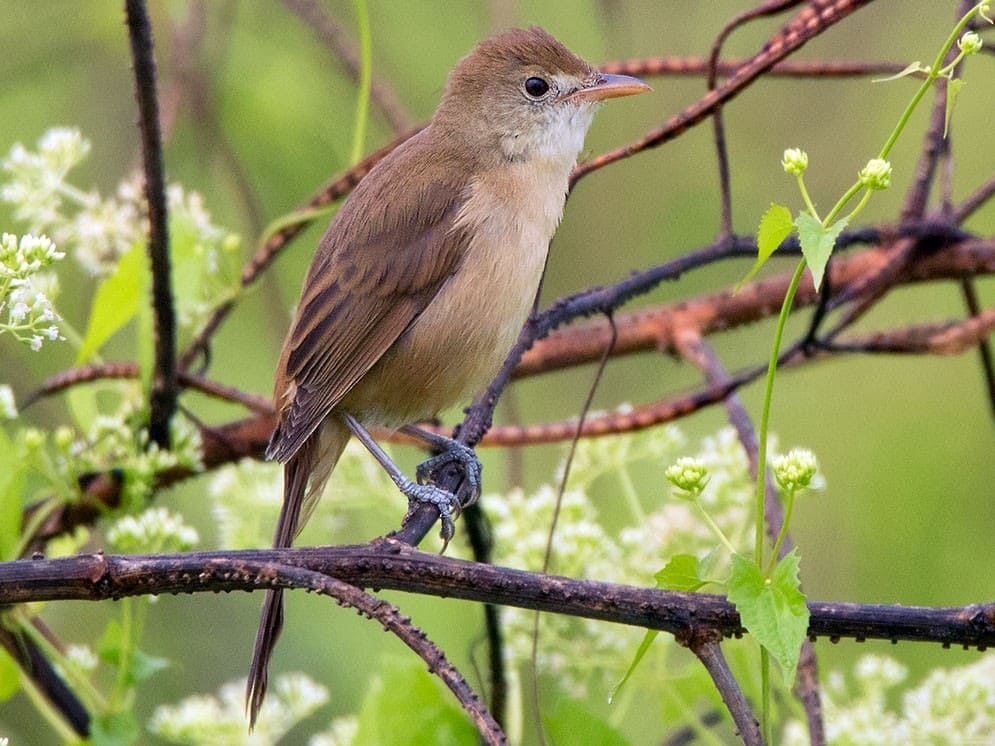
[
  {"x": 460, "y": 456},
  {"x": 446, "y": 503}
]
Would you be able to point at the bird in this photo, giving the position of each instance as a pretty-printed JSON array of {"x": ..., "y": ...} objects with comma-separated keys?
[{"x": 425, "y": 276}]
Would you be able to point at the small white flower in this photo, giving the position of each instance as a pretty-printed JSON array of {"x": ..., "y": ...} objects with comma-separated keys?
[
  {"x": 8, "y": 407},
  {"x": 82, "y": 657},
  {"x": 36, "y": 343},
  {"x": 19, "y": 311},
  {"x": 155, "y": 530}
]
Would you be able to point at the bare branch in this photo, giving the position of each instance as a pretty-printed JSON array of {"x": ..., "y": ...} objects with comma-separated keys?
[
  {"x": 706, "y": 647},
  {"x": 390, "y": 564},
  {"x": 162, "y": 397}
]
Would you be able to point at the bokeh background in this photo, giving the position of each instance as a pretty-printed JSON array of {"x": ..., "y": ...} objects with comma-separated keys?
[{"x": 906, "y": 444}]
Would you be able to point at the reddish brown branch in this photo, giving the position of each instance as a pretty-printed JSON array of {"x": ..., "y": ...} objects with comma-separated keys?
[
  {"x": 817, "y": 17},
  {"x": 652, "y": 67}
]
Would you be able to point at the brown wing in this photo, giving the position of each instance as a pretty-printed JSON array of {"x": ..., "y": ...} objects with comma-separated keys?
[{"x": 380, "y": 263}]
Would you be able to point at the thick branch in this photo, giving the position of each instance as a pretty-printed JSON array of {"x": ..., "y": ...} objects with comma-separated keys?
[{"x": 393, "y": 565}]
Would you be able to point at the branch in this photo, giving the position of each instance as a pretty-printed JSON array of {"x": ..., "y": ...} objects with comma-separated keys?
[
  {"x": 338, "y": 42},
  {"x": 815, "y": 18},
  {"x": 709, "y": 652},
  {"x": 389, "y": 564},
  {"x": 163, "y": 394},
  {"x": 291, "y": 576}
]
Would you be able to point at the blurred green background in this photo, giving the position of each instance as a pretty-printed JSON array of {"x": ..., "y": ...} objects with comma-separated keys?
[{"x": 906, "y": 443}]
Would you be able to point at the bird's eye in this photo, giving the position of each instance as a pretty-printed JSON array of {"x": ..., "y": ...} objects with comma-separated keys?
[{"x": 536, "y": 87}]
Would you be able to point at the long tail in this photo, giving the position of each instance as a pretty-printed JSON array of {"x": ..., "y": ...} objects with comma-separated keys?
[{"x": 304, "y": 477}]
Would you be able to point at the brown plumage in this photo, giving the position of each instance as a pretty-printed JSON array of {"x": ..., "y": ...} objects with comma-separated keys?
[{"x": 427, "y": 272}]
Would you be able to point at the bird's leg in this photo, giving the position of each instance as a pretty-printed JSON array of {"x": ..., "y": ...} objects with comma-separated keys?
[
  {"x": 447, "y": 503},
  {"x": 451, "y": 452}
]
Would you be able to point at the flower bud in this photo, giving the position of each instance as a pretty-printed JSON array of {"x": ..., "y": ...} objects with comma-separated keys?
[
  {"x": 970, "y": 43},
  {"x": 794, "y": 161},
  {"x": 795, "y": 470},
  {"x": 876, "y": 175},
  {"x": 688, "y": 474}
]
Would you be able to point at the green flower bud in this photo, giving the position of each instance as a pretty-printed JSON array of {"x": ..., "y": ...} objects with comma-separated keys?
[
  {"x": 970, "y": 43},
  {"x": 795, "y": 470},
  {"x": 794, "y": 161},
  {"x": 876, "y": 175},
  {"x": 33, "y": 439},
  {"x": 688, "y": 474}
]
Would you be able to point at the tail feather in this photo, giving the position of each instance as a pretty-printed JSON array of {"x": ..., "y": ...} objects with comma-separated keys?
[{"x": 304, "y": 478}]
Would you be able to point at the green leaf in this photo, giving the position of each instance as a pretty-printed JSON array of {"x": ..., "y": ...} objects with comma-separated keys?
[
  {"x": 916, "y": 68},
  {"x": 773, "y": 611},
  {"x": 573, "y": 722},
  {"x": 775, "y": 226},
  {"x": 954, "y": 86},
  {"x": 407, "y": 706},
  {"x": 144, "y": 666},
  {"x": 141, "y": 665},
  {"x": 644, "y": 646},
  {"x": 115, "y": 302},
  {"x": 682, "y": 573},
  {"x": 114, "y": 729},
  {"x": 13, "y": 471},
  {"x": 817, "y": 243},
  {"x": 10, "y": 676},
  {"x": 108, "y": 647}
]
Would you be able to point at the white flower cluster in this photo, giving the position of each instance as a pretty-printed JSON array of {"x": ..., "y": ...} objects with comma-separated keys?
[
  {"x": 246, "y": 498},
  {"x": 153, "y": 531},
  {"x": 26, "y": 290},
  {"x": 951, "y": 706},
  {"x": 245, "y": 501},
  {"x": 221, "y": 719},
  {"x": 570, "y": 649},
  {"x": 120, "y": 441},
  {"x": 101, "y": 230}
]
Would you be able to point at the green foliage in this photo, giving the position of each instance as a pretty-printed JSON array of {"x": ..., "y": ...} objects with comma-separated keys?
[
  {"x": 571, "y": 721},
  {"x": 10, "y": 676},
  {"x": 817, "y": 243},
  {"x": 772, "y": 608},
  {"x": 116, "y": 301},
  {"x": 12, "y": 480},
  {"x": 684, "y": 572},
  {"x": 775, "y": 226},
  {"x": 406, "y": 706}
]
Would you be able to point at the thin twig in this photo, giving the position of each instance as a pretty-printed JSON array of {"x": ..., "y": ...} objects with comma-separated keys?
[
  {"x": 341, "y": 45},
  {"x": 817, "y": 17}
]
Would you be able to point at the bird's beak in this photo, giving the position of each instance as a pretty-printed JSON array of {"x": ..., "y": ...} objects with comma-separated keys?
[{"x": 608, "y": 86}]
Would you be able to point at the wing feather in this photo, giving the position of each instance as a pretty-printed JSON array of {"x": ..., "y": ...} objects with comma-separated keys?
[{"x": 381, "y": 262}]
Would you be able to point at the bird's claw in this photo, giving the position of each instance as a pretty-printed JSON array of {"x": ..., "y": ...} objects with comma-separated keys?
[
  {"x": 446, "y": 503},
  {"x": 462, "y": 456}
]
